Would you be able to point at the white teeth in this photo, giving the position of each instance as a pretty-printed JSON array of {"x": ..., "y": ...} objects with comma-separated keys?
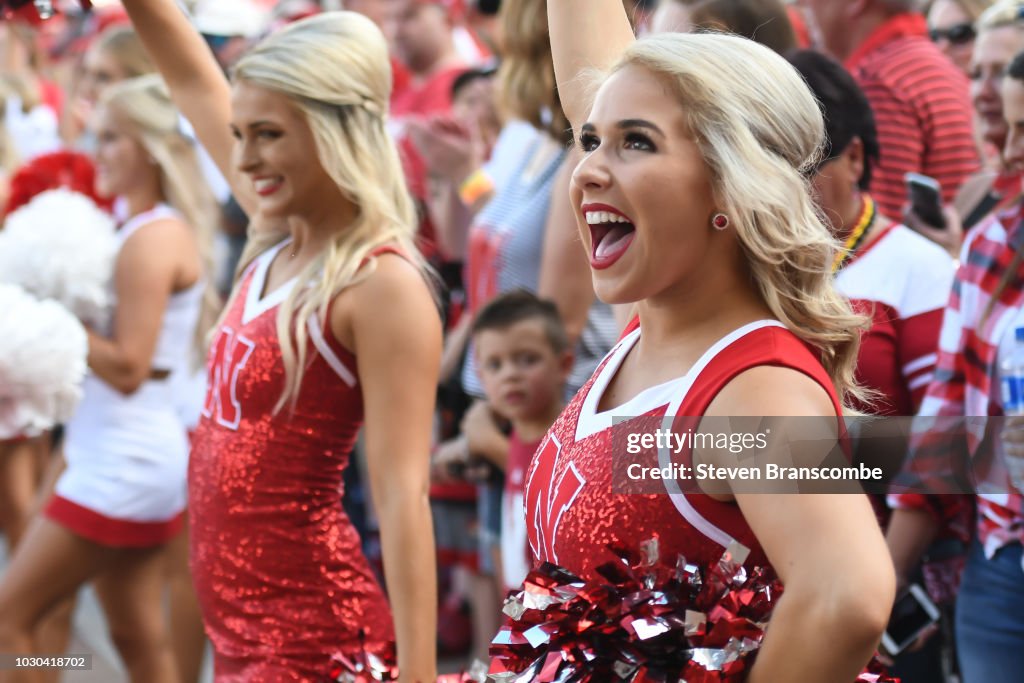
[
  {"x": 598, "y": 217},
  {"x": 264, "y": 183}
]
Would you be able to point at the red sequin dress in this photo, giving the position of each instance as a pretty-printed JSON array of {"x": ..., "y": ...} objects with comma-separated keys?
[
  {"x": 281, "y": 579},
  {"x": 573, "y": 512}
]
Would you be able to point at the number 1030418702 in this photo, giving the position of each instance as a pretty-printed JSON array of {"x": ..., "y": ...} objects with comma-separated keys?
[{"x": 63, "y": 663}]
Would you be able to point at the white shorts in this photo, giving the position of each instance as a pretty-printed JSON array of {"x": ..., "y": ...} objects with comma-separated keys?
[{"x": 127, "y": 456}]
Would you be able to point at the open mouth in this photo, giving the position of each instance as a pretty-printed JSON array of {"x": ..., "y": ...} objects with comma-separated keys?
[{"x": 611, "y": 233}]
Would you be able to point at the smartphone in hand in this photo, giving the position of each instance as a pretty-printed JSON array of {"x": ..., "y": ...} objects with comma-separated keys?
[
  {"x": 912, "y": 613},
  {"x": 925, "y": 199}
]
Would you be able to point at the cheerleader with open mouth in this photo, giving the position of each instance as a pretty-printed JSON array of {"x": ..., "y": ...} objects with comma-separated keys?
[{"x": 692, "y": 202}]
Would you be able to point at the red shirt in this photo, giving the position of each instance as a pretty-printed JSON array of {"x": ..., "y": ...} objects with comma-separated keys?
[
  {"x": 922, "y": 111},
  {"x": 803, "y": 35},
  {"x": 420, "y": 99},
  {"x": 515, "y": 550}
]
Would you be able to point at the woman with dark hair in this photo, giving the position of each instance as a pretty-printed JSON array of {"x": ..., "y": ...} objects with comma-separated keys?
[{"x": 890, "y": 273}]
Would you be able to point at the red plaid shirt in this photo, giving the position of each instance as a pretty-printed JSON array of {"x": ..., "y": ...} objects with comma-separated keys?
[{"x": 963, "y": 384}]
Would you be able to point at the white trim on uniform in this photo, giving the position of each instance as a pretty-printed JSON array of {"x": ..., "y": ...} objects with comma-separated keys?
[
  {"x": 679, "y": 499},
  {"x": 256, "y": 306},
  {"x": 316, "y": 335}
]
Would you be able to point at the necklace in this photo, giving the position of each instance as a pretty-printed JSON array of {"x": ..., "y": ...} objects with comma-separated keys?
[{"x": 857, "y": 237}]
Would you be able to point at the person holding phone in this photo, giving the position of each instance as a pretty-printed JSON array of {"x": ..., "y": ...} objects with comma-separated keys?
[{"x": 997, "y": 186}]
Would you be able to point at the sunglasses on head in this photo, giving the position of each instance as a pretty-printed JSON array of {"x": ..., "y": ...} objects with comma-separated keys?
[{"x": 956, "y": 35}]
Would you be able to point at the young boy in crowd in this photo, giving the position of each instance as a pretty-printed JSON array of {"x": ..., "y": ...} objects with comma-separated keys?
[{"x": 523, "y": 359}]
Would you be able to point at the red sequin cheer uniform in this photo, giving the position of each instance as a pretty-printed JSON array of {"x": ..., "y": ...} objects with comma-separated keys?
[
  {"x": 278, "y": 568},
  {"x": 572, "y": 511}
]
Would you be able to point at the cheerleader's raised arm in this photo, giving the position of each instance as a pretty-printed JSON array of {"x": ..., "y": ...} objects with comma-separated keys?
[
  {"x": 197, "y": 83},
  {"x": 585, "y": 35}
]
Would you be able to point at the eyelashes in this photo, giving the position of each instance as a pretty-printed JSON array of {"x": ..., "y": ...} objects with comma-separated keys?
[{"x": 588, "y": 142}]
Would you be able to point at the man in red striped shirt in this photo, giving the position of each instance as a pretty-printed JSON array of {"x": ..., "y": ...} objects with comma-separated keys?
[{"x": 919, "y": 97}]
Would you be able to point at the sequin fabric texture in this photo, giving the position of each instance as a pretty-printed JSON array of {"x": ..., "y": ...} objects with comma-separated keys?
[
  {"x": 578, "y": 501},
  {"x": 278, "y": 568}
]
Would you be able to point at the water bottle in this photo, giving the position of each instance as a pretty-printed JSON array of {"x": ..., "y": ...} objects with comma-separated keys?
[{"x": 1011, "y": 374}]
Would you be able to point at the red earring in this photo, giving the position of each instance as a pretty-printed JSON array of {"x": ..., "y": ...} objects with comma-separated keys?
[{"x": 720, "y": 221}]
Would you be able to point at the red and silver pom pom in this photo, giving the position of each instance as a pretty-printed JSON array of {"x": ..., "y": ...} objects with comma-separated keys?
[
  {"x": 367, "y": 665},
  {"x": 643, "y": 620}
]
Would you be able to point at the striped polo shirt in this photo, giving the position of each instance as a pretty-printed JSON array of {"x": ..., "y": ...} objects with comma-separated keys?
[{"x": 922, "y": 111}]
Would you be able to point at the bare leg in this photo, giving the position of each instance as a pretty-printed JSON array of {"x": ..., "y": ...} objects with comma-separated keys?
[
  {"x": 485, "y": 603},
  {"x": 19, "y": 481},
  {"x": 187, "y": 637},
  {"x": 53, "y": 634},
  {"x": 50, "y": 565},
  {"x": 131, "y": 591}
]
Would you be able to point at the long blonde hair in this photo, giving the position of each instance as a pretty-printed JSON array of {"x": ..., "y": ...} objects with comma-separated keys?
[
  {"x": 156, "y": 124},
  {"x": 760, "y": 132},
  {"x": 334, "y": 67}
]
